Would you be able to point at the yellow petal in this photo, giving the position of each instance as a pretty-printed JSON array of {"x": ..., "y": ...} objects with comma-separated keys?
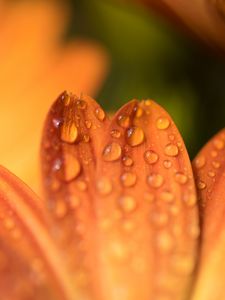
[{"x": 124, "y": 191}]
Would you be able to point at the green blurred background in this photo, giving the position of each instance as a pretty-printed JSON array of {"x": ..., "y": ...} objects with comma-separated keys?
[{"x": 152, "y": 59}]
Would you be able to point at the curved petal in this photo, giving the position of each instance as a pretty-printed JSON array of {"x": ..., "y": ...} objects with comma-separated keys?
[
  {"x": 124, "y": 191},
  {"x": 204, "y": 18},
  {"x": 34, "y": 68},
  {"x": 30, "y": 265},
  {"x": 209, "y": 170}
]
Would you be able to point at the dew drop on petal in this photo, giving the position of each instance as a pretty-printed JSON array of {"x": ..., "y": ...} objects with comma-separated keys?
[
  {"x": 171, "y": 150},
  {"x": 159, "y": 218},
  {"x": 155, "y": 180},
  {"x": 149, "y": 197},
  {"x": 151, "y": 157},
  {"x": 81, "y": 185},
  {"x": 164, "y": 242},
  {"x": 86, "y": 138},
  {"x": 74, "y": 202},
  {"x": 162, "y": 123},
  {"x": 81, "y": 104},
  {"x": 127, "y": 204},
  {"x": 100, "y": 114},
  {"x": 211, "y": 174},
  {"x": 166, "y": 196},
  {"x": 216, "y": 164},
  {"x": 200, "y": 162},
  {"x": 127, "y": 161},
  {"x": 104, "y": 186},
  {"x": 60, "y": 209},
  {"x": 69, "y": 132},
  {"x": 123, "y": 121},
  {"x": 218, "y": 144},
  {"x": 139, "y": 112},
  {"x": 128, "y": 179},
  {"x": 201, "y": 185},
  {"x": 112, "y": 152},
  {"x": 135, "y": 136},
  {"x": 167, "y": 164},
  {"x": 183, "y": 264},
  {"x": 88, "y": 124},
  {"x": 115, "y": 133},
  {"x": 181, "y": 178},
  {"x": 191, "y": 200}
]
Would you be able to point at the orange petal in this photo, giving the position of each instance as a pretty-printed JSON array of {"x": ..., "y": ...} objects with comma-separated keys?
[
  {"x": 124, "y": 191},
  {"x": 209, "y": 170},
  {"x": 34, "y": 68},
  {"x": 30, "y": 265},
  {"x": 204, "y": 18}
]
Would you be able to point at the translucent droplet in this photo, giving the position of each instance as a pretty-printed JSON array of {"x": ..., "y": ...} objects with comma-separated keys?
[
  {"x": 216, "y": 164},
  {"x": 112, "y": 152},
  {"x": 201, "y": 185},
  {"x": 60, "y": 209},
  {"x": 86, "y": 138},
  {"x": 104, "y": 186},
  {"x": 118, "y": 250},
  {"x": 171, "y": 150},
  {"x": 68, "y": 169},
  {"x": 183, "y": 264},
  {"x": 162, "y": 123},
  {"x": 148, "y": 102},
  {"x": 159, "y": 218},
  {"x": 151, "y": 157},
  {"x": 191, "y": 200},
  {"x": 211, "y": 174},
  {"x": 66, "y": 100},
  {"x": 81, "y": 185},
  {"x": 115, "y": 133},
  {"x": 155, "y": 180},
  {"x": 214, "y": 153},
  {"x": 127, "y": 204},
  {"x": 100, "y": 114},
  {"x": 139, "y": 112},
  {"x": 135, "y": 136},
  {"x": 166, "y": 196},
  {"x": 127, "y": 161},
  {"x": 123, "y": 121},
  {"x": 69, "y": 132},
  {"x": 200, "y": 162},
  {"x": 167, "y": 164},
  {"x": 128, "y": 179},
  {"x": 56, "y": 122},
  {"x": 164, "y": 242},
  {"x": 81, "y": 104},
  {"x": 88, "y": 124},
  {"x": 74, "y": 202},
  {"x": 218, "y": 144},
  {"x": 181, "y": 178}
]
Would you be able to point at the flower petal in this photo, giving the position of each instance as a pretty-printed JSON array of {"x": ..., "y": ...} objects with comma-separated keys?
[
  {"x": 30, "y": 265},
  {"x": 124, "y": 190},
  {"x": 209, "y": 170},
  {"x": 203, "y": 18}
]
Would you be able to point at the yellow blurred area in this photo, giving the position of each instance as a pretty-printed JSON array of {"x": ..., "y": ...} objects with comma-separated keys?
[{"x": 35, "y": 67}]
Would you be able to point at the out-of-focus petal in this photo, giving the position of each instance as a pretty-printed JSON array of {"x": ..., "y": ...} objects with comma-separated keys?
[
  {"x": 204, "y": 18},
  {"x": 34, "y": 67},
  {"x": 31, "y": 267},
  {"x": 209, "y": 170},
  {"x": 124, "y": 196}
]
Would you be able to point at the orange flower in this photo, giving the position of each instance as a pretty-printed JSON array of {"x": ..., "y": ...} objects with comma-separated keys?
[{"x": 35, "y": 66}]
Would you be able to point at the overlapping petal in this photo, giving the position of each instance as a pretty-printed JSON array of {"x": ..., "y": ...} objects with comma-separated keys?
[{"x": 123, "y": 195}]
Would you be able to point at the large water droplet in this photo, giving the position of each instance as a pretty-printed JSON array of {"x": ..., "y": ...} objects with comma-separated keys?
[
  {"x": 219, "y": 144},
  {"x": 68, "y": 169},
  {"x": 139, "y": 112},
  {"x": 104, "y": 186},
  {"x": 200, "y": 162},
  {"x": 166, "y": 196},
  {"x": 127, "y": 161},
  {"x": 167, "y": 164},
  {"x": 155, "y": 180},
  {"x": 127, "y": 203},
  {"x": 112, "y": 152},
  {"x": 100, "y": 114},
  {"x": 216, "y": 164},
  {"x": 69, "y": 132},
  {"x": 151, "y": 157},
  {"x": 162, "y": 123},
  {"x": 181, "y": 178},
  {"x": 135, "y": 136},
  {"x": 171, "y": 150},
  {"x": 128, "y": 179},
  {"x": 115, "y": 133},
  {"x": 201, "y": 185},
  {"x": 123, "y": 121}
]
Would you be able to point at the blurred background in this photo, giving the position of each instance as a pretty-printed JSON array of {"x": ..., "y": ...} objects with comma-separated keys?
[{"x": 145, "y": 53}]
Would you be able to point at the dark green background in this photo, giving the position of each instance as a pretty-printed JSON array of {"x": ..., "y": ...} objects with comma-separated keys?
[{"x": 152, "y": 59}]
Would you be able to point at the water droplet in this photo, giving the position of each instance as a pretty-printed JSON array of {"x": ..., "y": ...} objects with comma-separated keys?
[
  {"x": 139, "y": 112},
  {"x": 200, "y": 162},
  {"x": 164, "y": 242},
  {"x": 60, "y": 209},
  {"x": 216, "y": 164},
  {"x": 66, "y": 100},
  {"x": 211, "y": 174},
  {"x": 183, "y": 264},
  {"x": 123, "y": 121},
  {"x": 194, "y": 231},
  {"x": 191, "y": 200},
  {"x": 171, "y": 137},
  {"x": 214, "y": 153},
  {"x": 100, "y": 114},
  {"x": 88, "y": 124},
  {"x": 128, "y": 179},
  {"x": 81, "y": 185},
  {"x": 181, "y": 178},
  {"x": 112, "y": 152},
  {"x": 167, "y": 164},
  {"x": 74, "y": 202},
  {"x": 86, "y": 138},
  {"x": 201, "y": 185},
  {"x": 155, "y": 180},
  {"x": 127, "y": 161},
  {"x": 171, "y": 150},
  {"x": 151, "y": 157},
  {"x": 128, "y": 225},
  {"x": 135, "y": 136},
  {"x": 127, "y": 204},
  {"x": 159, "y": 218},
  {"x": 162, "y": 123},
  {"x": 148, "y": 102},
  {"x": 68, "y": 169},
  {"x": 166, "y": 196},
  {"x": 115, "y": 133},
  {"x": 69, "y": 132},
  {"x": 118, "y": 250},
  {"x": 104, "y": 186},
  {"x": 218, "y": 144},
  {"x": 81, "y": 104},
  {"x": 56, "y": 122}
]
